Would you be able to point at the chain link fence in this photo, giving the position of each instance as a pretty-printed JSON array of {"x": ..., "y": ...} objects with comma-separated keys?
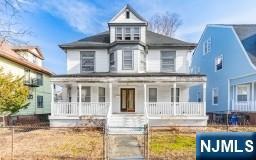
[{"x": 51, "y": 143}]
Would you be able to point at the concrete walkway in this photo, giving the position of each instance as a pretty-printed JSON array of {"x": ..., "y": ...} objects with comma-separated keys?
[{"x": 126, "y": 147}]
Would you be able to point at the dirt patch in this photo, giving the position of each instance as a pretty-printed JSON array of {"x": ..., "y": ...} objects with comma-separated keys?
[{"x": 51, "y": 144}]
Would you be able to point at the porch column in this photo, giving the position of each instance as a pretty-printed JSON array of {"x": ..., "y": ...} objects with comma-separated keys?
[
  {"x": 204, "y": 97},
  {"x": 234, "y": 97},
  {"x": 80, "y": 99},
  {"x": 145, "y": 98},
  {"x": 52, "y": 99},
  {"x": 110, "y": 97},
  {"x": 174, "y": 98}
]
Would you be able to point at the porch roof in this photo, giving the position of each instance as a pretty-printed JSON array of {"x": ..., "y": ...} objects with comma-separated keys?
[{"x": 131, "y": 77}]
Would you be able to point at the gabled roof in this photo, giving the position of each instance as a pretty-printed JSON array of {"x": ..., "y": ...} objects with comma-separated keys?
[
  {"x": 127, "y": 6},
  {"x": 247, "y": 35},
  {"x": 102, "y": 40},
  {"x": 35, "y": 50},
  {"x": 7, "y": 52}
]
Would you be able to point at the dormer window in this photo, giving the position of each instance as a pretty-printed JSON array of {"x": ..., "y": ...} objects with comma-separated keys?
[
  {"x": 127, "y": 14},
  {"x": 127, "y": 33},
  {"x": 119, "y": 33},
  {"x": 136, "y": 33}
]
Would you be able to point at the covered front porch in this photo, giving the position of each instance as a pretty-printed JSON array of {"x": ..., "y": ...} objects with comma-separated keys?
[{"x": 101, "y": 98}]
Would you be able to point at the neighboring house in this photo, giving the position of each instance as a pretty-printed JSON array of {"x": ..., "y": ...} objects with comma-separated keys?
[
  {"x": 227, "y": 55},
  {"x": 128, "y": 76},
  {"x": 26, "y": 61}
]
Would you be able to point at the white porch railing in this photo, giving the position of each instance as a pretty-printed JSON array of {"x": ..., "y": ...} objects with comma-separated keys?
[
  {"x": 247, "y": 106},
  {"x": 181, "y": 109},
  {"x": 72, "y": 108}
]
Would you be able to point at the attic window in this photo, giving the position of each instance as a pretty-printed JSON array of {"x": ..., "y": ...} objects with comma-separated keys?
[{"x": 127, "y": 14}]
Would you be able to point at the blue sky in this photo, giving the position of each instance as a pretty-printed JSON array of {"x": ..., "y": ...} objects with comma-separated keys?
[{"x": 53, "y": 22}]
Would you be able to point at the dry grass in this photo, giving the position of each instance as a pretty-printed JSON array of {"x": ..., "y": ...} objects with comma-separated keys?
[{"x": 51, "y": 144}]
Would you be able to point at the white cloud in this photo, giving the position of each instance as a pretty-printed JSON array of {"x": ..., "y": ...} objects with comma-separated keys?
[{"x": 80, "y": 15}]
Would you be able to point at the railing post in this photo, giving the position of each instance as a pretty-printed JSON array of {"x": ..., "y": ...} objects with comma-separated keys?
[
  {"x": 80, "y": 99},
  {"x": 52, "y": 99},
  {"x": 174, "y": 98},
  {"x": 204, "y": 98}
]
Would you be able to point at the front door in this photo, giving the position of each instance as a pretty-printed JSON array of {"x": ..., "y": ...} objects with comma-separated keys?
[{"x": 127, "y": 99}]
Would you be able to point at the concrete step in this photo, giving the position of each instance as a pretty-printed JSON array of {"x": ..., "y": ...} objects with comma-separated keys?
[{"x": 125, "y": 130}]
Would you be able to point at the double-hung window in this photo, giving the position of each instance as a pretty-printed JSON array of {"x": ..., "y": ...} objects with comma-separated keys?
[
  {"x": 127, "y": 33},
  {"x": 86, "y": 94},
  {"x": 127, "y": 60},
  {"x": 219, "y": 62},
  {"x": 119, "y": 33},
  {"x": 40, "y": 101},
  {"x": 102, "y": 96},
  {"x": 136, "y": 33},
  {"x": 207, "y": 46},
  {"x": 168, "y": 61},
  {"x": 177, "y": 94},
  {"x": 39, "y": 78},
  {"x": 152, "y": 95},
  {"x": 243, "y": 92},
  {"x": 215, "y": 96},
  {"x": 87, "y": 61}
]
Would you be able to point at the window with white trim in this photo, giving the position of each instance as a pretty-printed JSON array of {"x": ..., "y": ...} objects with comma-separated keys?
[
  {"x": 207, "y": 46},
  {"x": 215, "y": 96},
  {"x": 119, "y": 33},
  {"x": 87, "y": 61},
  {"x": 127, "y": 33},
  {"x": 177, "y": 94},
  {"x": 136, "y": 33},
  {"x": 40, "y": 102},
  {"x": 168, "y": 61},
  {"x": 219, "y": 62},
  {"x": 243, "y": 92},
  {"x": 102, "y": 96},
  {"x": 127, "y": 60},
  {"x": 86, "y": 94},
  {"x": 152, "y": 95}
]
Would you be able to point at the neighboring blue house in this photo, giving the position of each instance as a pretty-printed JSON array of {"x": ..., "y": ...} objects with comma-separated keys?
[{"x": 227, "y": 55}]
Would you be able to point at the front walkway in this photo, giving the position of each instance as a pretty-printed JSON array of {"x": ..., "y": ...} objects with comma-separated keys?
[{"x": 126, "y": 147}]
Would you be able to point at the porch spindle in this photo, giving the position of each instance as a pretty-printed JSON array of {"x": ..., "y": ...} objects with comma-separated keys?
[{"x": 80, "y": 99}]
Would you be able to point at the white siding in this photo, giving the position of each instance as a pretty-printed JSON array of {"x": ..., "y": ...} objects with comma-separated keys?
[
  {"x": 154, "y": 61},
  {"x": 101, "y": 60},
  {"x": 122, "y": 18}
]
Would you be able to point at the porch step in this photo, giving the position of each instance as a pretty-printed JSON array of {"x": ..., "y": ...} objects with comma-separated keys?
[{"x": 126, "y": 124}]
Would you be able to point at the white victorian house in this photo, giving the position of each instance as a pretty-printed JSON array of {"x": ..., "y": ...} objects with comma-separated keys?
[{"x": 127, "y": 76}]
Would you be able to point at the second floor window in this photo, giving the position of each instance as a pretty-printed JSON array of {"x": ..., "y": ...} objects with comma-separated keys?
[
  {"x": 127, "y": 60},
  {"x": 218, "y": 63},
  {"x": 168, "y": 61},
  {"x": 136, "y": 33},
  {"x": 87, "y": 61},
  {"x": 119, "y": 33},
  {"x": 39, "y": 78}
]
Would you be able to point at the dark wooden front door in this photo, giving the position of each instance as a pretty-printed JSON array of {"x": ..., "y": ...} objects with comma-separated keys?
[{"x": 127, "y": 99}]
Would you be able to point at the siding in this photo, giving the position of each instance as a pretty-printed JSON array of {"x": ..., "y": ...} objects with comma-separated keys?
[
  {"x": 235, "y": 64},
  {"x": 101, "y": 60},
  {"x": 154, "y": 61}
]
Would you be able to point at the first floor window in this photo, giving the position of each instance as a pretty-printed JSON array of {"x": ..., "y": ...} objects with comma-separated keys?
[
  {"x": 102, "y": 94},
  {"x": 136, "y": 33},
  {"x": 86, "y": 94},
  {"x": 218, "y": 63},
  {"x": 215, "y": 96},
  {"x": 152, "y": 94},
  {"x": 127, "y": 60},
  {"x": 243, "y": 93},
  {"x": 87, "y": 61},
  {"x": 177, "y": 94},
  {"x": 40, "y": 101},
  {"x": 168, "y": 61}
]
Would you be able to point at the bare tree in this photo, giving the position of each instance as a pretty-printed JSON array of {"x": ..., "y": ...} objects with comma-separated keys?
[
  {"x": 166, "y": 24},
  {"x": 10, "y": 15}
]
